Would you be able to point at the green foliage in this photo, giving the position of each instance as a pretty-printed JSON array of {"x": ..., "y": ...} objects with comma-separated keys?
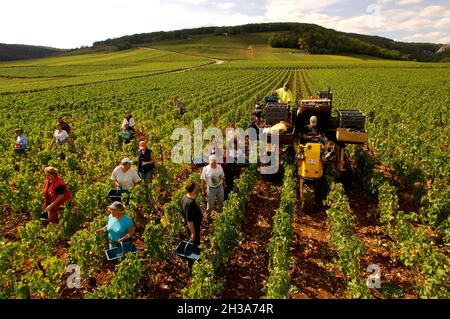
[
  {"x": 88, "y": 250},
  {"x": 156, "y": 246},
  {"x": 223, "y": 239},
  {"x": 416, "y": 247},
  {"x": 278, "y": 283},
  {"x": 349, "y": 249},
  {"x": 204, "y": 285},
  {"x": 124, "y": 282}
]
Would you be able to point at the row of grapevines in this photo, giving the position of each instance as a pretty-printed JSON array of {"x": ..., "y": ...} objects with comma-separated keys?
[
  {"x": 348, "y": 248},
  {"x": 417, "y": 249},
  {"x": 124, "y": 282},
  {"x": 160, "y": 237},
  {"x": 223, "y": 240},
  {"x": 435, "y": 208},
  {"x": 278, "y": 283},
  {"x": 29, "y": 268}
]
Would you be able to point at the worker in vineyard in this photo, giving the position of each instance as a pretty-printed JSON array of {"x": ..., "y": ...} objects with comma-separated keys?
[
  {"x": 179, "y": 105},
  {"x": 213, "y": 183},
  {"x": 56, "y": 194},
  {"x": 61, "y": 136},
  {"x": 284, "y": 94},
  {"x": 120, "y": 227},
  {"x": 125, "y": 176},
  {"x": 313, "y": 129},
  {"x": 254, "y": 124},
  {"x": 128, "y": 127},
  {"x": 21, "y": 144},
  {"x": 258, "y": 110},
  {"x": 64, "y": 125},
  {"x": 280, "y": 127},
  {"x": 146, "y": 163},
  {"x": 192, "y": 216}
]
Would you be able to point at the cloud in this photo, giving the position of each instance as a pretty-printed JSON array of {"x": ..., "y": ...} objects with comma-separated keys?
[
  {"x": 192, "y": 2},
  {"x": 436, "y": 36},
  {"x": 226, "y": 5},
  {"x": 67, "y": 24},
  {"x": 238, "y": 19},
  {"x": 432, "y": 11},
  {"x": 405, "y": 2},
  {"x": 295, "y": 10}
]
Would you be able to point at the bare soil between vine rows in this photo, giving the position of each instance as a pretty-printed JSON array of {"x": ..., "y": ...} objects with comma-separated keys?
[{"x": 246, "y": 275}]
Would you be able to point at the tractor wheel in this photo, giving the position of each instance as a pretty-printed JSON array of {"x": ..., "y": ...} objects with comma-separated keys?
[{"x": 308, "y": 199}]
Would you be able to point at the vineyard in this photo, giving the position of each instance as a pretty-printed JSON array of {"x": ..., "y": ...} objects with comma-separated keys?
[{"x": 390, "y": 211}]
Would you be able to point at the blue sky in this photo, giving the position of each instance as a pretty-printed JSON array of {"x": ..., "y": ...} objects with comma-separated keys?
[{"x": 73, "y": 23}]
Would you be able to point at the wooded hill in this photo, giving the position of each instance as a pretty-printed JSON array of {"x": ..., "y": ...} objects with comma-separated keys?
[{"x": 309, "y": 37}]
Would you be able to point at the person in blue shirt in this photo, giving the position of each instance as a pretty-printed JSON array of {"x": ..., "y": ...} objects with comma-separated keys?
[
  {"x": 21, "y": 142},
  {"x": 120, "y": 227}
]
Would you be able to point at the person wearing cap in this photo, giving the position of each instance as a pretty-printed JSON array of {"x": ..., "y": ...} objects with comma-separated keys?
[
  {"x": 120, "y": 227},
  {"x": 284, "y": 94},
  {"x": 125, "y": 176},
  {"x": 213, "y": 182},
  {"x": 312, "y": 129},
  {"x": 64, "y": 125},
  {"x": 56, "y": 194},
  {"x": 21, "y": 142},
  {"x": 146, "y": 163}
]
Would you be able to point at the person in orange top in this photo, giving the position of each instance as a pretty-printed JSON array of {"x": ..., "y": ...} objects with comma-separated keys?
[{"x": 56, "y": 194}]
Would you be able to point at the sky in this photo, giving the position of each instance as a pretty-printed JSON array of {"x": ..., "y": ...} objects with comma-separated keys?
[{"x": 74, "y": 23}]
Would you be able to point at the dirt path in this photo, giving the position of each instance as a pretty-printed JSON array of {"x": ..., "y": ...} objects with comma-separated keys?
[
  {"x": 314, "y": 273},
  {"x": 396, "y": 279},
  {"x": 246, "y": 275}
]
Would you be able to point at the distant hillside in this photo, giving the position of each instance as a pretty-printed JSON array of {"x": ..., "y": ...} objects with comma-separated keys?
[
  {"x": 316, "y": 39},
  {"x": 9, "y": 52}
]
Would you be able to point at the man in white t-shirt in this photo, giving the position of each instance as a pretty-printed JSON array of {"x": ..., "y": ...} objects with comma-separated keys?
[
  {"x": 61, "y": 136},
  {"x": 125, "y": 176},
  {"x": 213, "y": 180}
]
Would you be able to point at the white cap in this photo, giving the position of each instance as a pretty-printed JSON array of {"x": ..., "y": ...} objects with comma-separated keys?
[
  {"x": 126, "y": 160},
  {"x": 212, "y": 158}
]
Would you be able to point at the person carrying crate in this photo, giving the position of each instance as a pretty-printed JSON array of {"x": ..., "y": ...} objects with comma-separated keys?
[
  {"x": 125, "y": 176},
  {"x": 192, "y": 216},
  {"x": 120, "y": 227}
]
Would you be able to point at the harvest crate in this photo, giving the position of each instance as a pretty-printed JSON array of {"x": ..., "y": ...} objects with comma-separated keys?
[
  {"x": 351, "y": 136},
  {"x": 351, "y": 119}
]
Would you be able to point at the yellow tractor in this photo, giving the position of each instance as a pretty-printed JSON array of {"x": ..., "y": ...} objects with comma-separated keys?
[{"x": 314, "y": 151}]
